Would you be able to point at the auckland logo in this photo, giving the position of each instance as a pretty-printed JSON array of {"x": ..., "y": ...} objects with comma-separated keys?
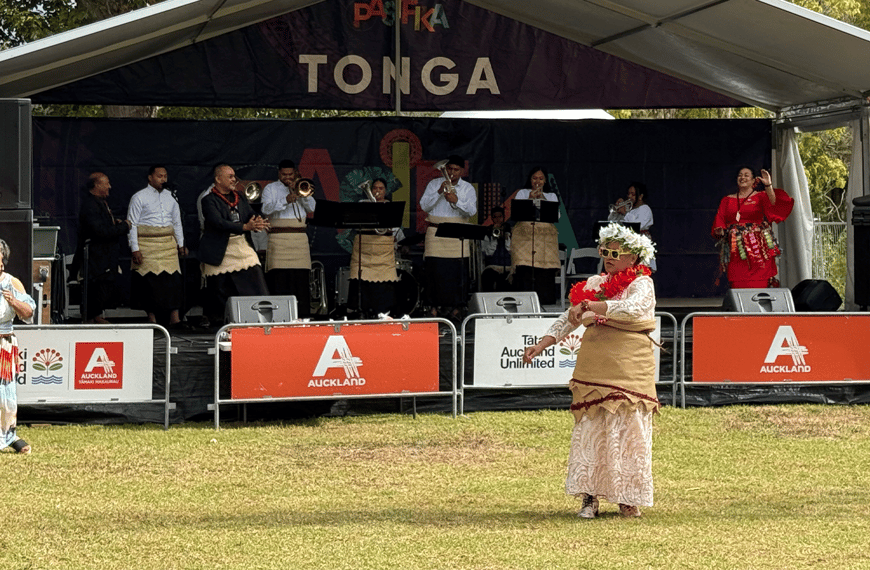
[
  {"x": 336, "y": 355},
  {"x": 785, "y": 343},
  {"x": 100, "y": 359}
]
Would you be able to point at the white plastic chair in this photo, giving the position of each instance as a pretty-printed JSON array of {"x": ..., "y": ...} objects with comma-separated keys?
[{"x": 568, "y": 267}]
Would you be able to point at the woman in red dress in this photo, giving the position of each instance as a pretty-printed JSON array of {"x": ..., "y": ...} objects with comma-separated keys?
[{"x": 743, "y": 230}]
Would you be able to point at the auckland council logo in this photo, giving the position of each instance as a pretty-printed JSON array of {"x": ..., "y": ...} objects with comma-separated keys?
[
  {"x": 47, "y": 360},
  {"x": 785, "y": 343},
  {"x": 336, "y": 354}
]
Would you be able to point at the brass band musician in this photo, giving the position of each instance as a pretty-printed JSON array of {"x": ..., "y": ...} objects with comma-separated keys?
[
  {"x": 496, "y": 249},
  {"x": 288, "y": 256},
  {"x": 373, "y": 275},
  {"x": 535, "y": 245},
  {"x": 448, "y": 199}
]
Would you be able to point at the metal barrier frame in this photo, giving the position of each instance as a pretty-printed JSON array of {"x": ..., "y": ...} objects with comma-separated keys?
[
  {"x": 510, "y": 316},
  {"x": 167, "y": 405},
  {"x": 337, "y": 325},
  {"x": 760, "y": 315}
]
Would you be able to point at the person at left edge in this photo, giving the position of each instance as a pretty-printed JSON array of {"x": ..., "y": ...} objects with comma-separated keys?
[
  {"x": 97, "y": 224},
  {"x": 14, "y": 302},
  {"x": 288, "y": 255},
  {"x": 229, "y": 263},
  {"x": 157, "y": 240}
]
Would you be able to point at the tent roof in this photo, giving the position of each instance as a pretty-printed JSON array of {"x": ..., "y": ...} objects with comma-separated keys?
[
  {"x": 128, "y": 38},
  {"x": 767, "y": 53}
]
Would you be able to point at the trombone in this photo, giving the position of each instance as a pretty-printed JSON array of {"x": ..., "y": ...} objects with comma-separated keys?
[
  {"x": 441, "y": 166},
  {"x": 252, "y": 190},
  {"x": 304, "y": 187}
]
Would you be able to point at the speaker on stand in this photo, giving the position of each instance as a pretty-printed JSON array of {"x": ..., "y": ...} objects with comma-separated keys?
[{"x": 16, "y": 217}]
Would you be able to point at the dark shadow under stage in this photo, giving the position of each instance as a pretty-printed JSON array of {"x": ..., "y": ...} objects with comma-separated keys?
[{"x": 193, "y": 385}]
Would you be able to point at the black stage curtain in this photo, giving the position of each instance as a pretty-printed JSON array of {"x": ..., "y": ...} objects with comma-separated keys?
[{"x": 687, "y": 165}]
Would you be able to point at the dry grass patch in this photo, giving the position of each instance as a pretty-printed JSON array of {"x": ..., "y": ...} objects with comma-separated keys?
[{"x": 827, "y": 422}]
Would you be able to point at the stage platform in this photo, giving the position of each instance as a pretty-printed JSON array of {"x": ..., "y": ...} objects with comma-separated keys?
[{"x": 193, "y": 385}]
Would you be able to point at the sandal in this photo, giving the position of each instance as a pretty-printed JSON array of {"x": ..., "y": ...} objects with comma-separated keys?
[{"x": 21, "y": 446}]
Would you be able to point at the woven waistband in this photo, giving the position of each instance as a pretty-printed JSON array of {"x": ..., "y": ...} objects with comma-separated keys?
[{"x": 282, "y": 230}]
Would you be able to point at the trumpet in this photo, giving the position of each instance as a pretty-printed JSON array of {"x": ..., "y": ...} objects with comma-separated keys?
[
  {"x": 441, "y": 166},
  {"x": 304, "y": 187},
  {"x": 620, "y": 204},
  {"x": 496, "y": 233},
  {"x": 366, "y": 187}
]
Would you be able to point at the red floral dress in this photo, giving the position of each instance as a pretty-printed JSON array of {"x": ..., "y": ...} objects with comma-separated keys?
[{"x": 748, "y": 250}]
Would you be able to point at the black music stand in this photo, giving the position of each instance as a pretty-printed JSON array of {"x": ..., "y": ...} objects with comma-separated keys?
[
  {"x": 542, "y": 211},
  {"x": 358, "y": 216},
  {"x": 462, "y": 232}
]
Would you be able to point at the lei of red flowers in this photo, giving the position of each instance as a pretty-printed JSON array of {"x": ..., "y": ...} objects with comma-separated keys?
[
  {"x": 610, "y": 289},
  {"x": 232, "y": 204}
]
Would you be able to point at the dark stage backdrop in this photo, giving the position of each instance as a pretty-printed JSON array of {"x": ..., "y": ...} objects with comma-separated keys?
[{"x": 687, "y": 167}]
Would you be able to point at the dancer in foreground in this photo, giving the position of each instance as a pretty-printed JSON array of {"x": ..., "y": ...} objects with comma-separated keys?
[
  {"x": 613, "y": 385},
  {"x": 14, "y": 302}
]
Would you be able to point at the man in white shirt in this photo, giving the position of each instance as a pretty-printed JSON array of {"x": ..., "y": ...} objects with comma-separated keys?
[
  {"x": 156, "y": 239},
  {"x": 288, "y": 257},
  {"x": 448, "y": 201}
]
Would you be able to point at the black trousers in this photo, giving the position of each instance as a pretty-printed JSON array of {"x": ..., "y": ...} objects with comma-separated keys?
[
  {"x": 295, "y": 282},
  {"x": 245, "y": 283},
  {"x": 541, "y": 281}
]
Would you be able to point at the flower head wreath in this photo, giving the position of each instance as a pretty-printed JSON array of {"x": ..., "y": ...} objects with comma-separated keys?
[{"x": 629, "y": 239}]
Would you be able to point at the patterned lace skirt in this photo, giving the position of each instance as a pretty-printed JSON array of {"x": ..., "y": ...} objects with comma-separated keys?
[{"x": 611, "y": 456}]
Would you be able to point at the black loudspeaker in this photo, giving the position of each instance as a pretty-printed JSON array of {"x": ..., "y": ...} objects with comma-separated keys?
[
  {"x": 272, "y": 309},
  {"x": 15, "y": 153},
  {"x": 16, "y": 228},
  {"x": 758, "y": 301},
  {"x": 815, "y": 295},
  {"x": 504, "y": 303}
]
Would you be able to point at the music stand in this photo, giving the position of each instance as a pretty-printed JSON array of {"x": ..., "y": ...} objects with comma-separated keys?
[
  {"x": 542, "y": 211},
  {"x": 358, "y": 216},
  {"x": 462, "y": 232},
  {"x": 527, "y": 211}
]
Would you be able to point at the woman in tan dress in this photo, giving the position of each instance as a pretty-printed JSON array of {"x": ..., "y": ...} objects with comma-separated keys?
[{"x": 613, "y": 385}]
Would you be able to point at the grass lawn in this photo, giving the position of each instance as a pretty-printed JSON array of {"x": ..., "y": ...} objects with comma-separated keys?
[{"x": 737, "y": 487}]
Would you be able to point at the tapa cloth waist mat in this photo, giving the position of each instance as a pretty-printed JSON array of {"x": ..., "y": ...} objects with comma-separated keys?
[
  {"x": 288, "y": 250},
  {"x": 238, "y": 256},
  {"x": 379, "y": 258},
  {"x": 615, "y": 367},
  {"x": 543, "y": 238},
  {"x": 445, "y": 247},
  {"x": 159, "y": 250}
]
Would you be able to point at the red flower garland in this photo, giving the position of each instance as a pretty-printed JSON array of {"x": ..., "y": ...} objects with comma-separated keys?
[
  {"x": 610, "y": 289},
  {"x": 232, "y": 204}
]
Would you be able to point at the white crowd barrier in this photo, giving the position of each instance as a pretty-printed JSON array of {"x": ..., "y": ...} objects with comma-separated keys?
[
  {"x": 90, "y": 364},
  {"x": 501, "y": 338}
]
